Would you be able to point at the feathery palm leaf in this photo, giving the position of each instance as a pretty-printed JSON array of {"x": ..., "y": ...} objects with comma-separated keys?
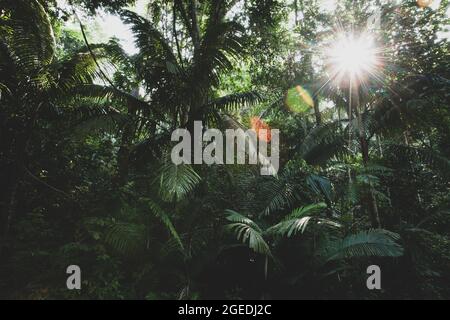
[
  {"x": 78, "y": 69},
  {"x": 248, "y": 231},
  {"x": 221, "y": 42},
  {"x": 282, "y": 196},
  {"x": 176, "y": 182},
  {"x": 155, "y": 54},
  {"x": 378, "y": 243},
  {"x": 299, "y": 219},
  {"x": 30, "y": 38},
  {"x": 235, "y": 101},
  {"x": 321, "y": 186},
  {"x": 322, "y": 143},
  {"x": 126, "y": 238},
  {"x": 430, "y": 157},
  {"x": 167, "y": 222}
]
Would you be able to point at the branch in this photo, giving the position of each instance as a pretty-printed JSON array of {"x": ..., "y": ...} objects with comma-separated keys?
[
  {"x": 175, "y": 34},
  {"x": 46, "y": 184},
  {"x": 218, "y": 12},
  {"x": 92, "y": 53},
  {"x": 195, "y": 26},
  {"x": 184, "y": 16}
]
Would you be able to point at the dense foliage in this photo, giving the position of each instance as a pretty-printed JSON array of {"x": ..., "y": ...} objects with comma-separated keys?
[{"x": 85, "y": 141}]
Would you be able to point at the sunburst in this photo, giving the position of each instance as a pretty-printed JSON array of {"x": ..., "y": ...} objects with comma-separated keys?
[{"x": 353, "y": 58}]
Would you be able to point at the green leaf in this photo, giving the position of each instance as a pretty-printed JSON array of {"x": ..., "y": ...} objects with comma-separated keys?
[
  {"x": 370, "y": 243},
  {"x": 248, "y": 232},
  {"x": 176, "y": 182},
  {"x": 165, "y": 219},
  {"x": 299, "y": 219}
]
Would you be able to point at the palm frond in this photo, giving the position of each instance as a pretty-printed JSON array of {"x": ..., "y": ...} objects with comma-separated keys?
[
  {"x": 236, "y": 217},
  {"x": 4, "y": 89},
  {"x": 155, "y": 52},
  {"x": 321, "y": 186},
  {"x": 248, "y": 231},
  {"x": 166, "y": 221},
  {"x": 79, "y": 69},
  {"x": 283, "y": 191},
  {"x": 31, "y": 39},
  {"x": 106, "y": 93},
  {"x": 427, "y": 156},
  {"x": 370, "y": 243},
  {"x": 299, "y": 219},
  {"x": 322, "y": 143},
  {"x": 94, "y": 120},
  {"x": 410, "y": 106},
  {"x": 309, "y": 210},
  {"x": 176, "y": 182},
  {"x": 7, "y": 67},
  {"x": 282, "y": 195},
  {"x": 221, "y": 43},
  {"x": 235, "y": 101},
  {"x": 115, "y": 52},
  {"x": 126, "y": 238}
]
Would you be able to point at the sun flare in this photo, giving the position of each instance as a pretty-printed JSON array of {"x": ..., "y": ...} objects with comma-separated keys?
[{"x": 353, "y": 57}]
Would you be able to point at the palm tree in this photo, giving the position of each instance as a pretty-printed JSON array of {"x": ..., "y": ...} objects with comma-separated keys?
[
  {"x": 368, "y": 243},
  {"x": 182, "y": 83},
  {"x": 27, "y": 51},
  {"x": 248, "y": 232},
  {"x": 35, "y": 86},
  {"x": 174, "y": 184},
  {"x": 179, "y": 87},
  {"x": 338, "y": 247}
]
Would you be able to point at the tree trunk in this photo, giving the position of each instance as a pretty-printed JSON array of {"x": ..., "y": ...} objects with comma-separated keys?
[
  {"x": 16, "y": 179},
  {"x": 266, "y": 273},
  {"x": 317, "y": 111},
  {"x": 194, "y": 23},
  {"x": 10, "y": 211},
  {"x": 123, "y": 155},
  {"x": 126, "y": 143},
  {"x": 370, "y": 199},
  {"x": 23, "y": 141}
]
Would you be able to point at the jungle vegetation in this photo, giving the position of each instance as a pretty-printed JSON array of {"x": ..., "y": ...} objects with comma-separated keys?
[{"x": 85, "y": 139}]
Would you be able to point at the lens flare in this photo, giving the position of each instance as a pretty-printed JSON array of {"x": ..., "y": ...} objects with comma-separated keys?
[
  {"x": 262, "y": 129},
  {"x": 299, "y": 100},
  {"x": 353, "y": 57}
]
